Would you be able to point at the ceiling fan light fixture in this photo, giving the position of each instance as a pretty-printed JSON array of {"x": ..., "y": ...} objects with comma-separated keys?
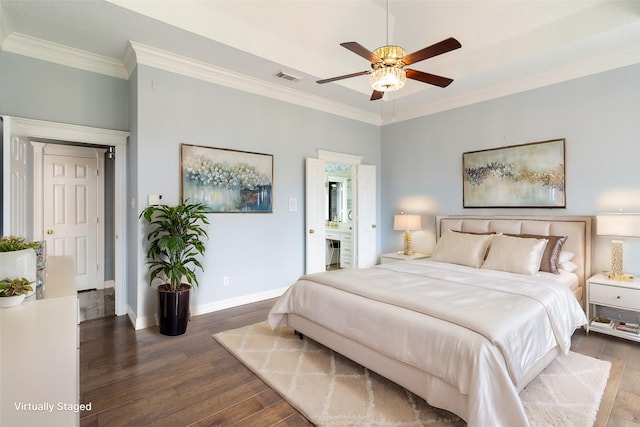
[
  {"x": 388, "y": 79},
  {"x": 390, "y": 54}
]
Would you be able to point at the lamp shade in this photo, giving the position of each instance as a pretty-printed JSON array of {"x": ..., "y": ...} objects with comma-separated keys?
[
  {"x": 407, "y": 222},
  {"x": 619, "y": 225}
]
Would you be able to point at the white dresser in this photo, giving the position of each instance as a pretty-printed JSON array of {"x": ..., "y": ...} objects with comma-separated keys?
[
  {"x": 39, "y": 354},
  {"x": 344, "y": 236}
]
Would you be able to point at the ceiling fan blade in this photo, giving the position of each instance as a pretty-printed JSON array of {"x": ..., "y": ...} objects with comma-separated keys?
[
  {"x": 432, "y": 79},
  {"x": 376, "y": 95},
  {"x": 358, "y": 49},
  {"x": 346, "y": 76},
  {"x": 434, "y": 50}
]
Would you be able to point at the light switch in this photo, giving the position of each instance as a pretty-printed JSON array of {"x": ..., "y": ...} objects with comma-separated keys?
[
  {"x": 293, "y": 204},
  {"x": 154, "y": 199}
]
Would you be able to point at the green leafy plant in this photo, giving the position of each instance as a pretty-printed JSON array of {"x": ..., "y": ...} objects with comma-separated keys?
[
  {"x": 13, "y": 287},
  {"x": 175, "y": 239},
  {"x": 15, "y": 243}
]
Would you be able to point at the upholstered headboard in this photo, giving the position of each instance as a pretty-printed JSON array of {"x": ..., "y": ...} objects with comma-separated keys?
[{"x": 576, "y": 228}]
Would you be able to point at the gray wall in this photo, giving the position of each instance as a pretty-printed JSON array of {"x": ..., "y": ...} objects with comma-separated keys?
[
  {"x": 40, "y": 90},
  {"x": 258, "y": 252},
  {"x": 597, "y": 115}
]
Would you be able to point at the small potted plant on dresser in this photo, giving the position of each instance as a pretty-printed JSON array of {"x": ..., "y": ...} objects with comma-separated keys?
[
  {"x": 175, "y": 239},
  {"x": 13, "y": 291},
  {"x": 18, "y": 259}
]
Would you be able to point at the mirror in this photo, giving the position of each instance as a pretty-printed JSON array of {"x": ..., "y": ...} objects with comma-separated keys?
[
  {"x": 338, "y": 195},
  {"x": 335, "y": 201}
]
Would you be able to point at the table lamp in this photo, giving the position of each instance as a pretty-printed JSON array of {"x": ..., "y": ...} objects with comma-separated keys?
[
  {"x": 407, "y": 223},
  {"x": 618, "y": 225}
]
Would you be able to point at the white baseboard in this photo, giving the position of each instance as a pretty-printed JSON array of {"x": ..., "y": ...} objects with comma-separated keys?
[
  {"x": 235, "y": 302},
  {"x": 148, "y": 321}
]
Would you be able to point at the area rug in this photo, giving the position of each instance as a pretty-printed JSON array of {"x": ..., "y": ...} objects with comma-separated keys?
[{"x": 333, "y": 391}]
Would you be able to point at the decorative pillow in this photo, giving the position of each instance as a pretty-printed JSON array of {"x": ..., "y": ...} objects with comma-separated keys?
[
  {"x": 549, "y": 262},
  {"x": 515, "y": 254},
  {"x": 462, "y": 248}
]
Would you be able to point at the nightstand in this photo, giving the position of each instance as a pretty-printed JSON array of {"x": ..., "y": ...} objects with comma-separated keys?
[
  {"x": 622, "y": 295},
  {"x": 395, "y": 256}
]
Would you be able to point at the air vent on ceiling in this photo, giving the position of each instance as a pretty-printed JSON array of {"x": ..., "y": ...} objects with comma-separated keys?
[{"x": 287, "y": 76}]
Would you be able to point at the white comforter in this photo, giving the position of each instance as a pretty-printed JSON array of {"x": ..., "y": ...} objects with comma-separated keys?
[{"x": 482, "y": 331}]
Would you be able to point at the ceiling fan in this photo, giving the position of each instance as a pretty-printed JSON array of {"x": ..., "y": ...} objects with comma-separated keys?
[{"x": 388, "y": 72}]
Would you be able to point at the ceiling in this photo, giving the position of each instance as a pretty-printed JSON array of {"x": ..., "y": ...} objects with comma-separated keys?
[{"x": 508, "y": 46}]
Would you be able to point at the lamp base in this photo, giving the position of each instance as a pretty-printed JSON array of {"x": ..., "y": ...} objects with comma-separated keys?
[
  {"x": 621, "y": 277},
  {"x": 407, "y": 244}
]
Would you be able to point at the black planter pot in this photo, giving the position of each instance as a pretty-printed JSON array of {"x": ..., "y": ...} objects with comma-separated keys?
[{"x": 173, "y": 310}]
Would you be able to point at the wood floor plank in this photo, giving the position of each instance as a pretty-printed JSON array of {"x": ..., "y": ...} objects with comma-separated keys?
[
  {"x": 627, "y": 407},
  {"x": 268, "y": 416},
  {"x": 241, "y": 410},
  {"x": 144, "y": 378}
]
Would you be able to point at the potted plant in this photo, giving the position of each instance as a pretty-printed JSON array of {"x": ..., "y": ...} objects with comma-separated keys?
[
  {"x": 14, "y": 291},
  {"x": 175, "y": 240},
  {"x": 18, "y": 258}
]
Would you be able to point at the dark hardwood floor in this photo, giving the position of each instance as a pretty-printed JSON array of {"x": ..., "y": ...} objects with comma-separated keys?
[{"x": 136, "y": 378}]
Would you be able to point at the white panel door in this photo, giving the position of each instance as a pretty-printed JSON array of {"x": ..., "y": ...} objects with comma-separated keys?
[
  {"x": 367, "y": 220},
  {"x": 15, "y": 191},
  {"x": 316, "y": 244},
  {"x": 70, "y": 213}
]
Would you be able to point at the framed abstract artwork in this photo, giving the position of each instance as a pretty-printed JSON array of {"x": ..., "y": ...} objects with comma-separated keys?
[
  {"x": 519, "y": 176},
  {"x": 227, "y": 180}
]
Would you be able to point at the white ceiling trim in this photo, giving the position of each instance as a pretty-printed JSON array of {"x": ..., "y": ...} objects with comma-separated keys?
[
  {"x": 137, "y": 53},
  {"x": 64, "y": 55},
  {"x": 67, "y": 132},
  {"x": 610, "y": 62},
  {"x": 141, "y": 54}
]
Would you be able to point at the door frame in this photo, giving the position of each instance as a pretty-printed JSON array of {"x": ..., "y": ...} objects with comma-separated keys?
[
  {"x": 355, "y": 161},
  {"x": 42, "y": 149},
  {"x": 38, "y": 129}
]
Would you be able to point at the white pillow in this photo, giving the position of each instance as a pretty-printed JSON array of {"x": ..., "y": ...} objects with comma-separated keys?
[
  {"x": 565, "y": 256},
  {"x": 568, "y": 267},
  {"x": 462, "y": 248},
  {"x": 515, "y": 254}
]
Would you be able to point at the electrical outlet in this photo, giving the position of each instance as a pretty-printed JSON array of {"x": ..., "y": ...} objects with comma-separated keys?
[{"x": 225, "y": 281}]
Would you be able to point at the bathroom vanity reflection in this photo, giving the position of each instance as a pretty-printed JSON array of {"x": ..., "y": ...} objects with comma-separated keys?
[{"x": 338, "y": 215}]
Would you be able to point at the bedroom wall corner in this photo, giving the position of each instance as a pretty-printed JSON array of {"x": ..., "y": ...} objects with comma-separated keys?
[
  {"x": 597, "y": 115},
  {"x": 257, "y": 252}
]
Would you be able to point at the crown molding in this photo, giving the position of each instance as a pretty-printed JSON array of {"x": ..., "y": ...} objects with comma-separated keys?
[
  {"x": 64, "y": 55},
  {"x": 137, "y": 53},
  {"x": 156, "y": 58},
  {"x": 586, "y": 68}
]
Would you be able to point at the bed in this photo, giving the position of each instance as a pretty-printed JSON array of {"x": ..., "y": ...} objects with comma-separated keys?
[{"x": 465, "y": 338}]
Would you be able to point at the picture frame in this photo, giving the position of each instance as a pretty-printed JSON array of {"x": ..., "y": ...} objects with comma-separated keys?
[
  {"x": 528, "y": 175},
  {"x": 227, "y": 180}
]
